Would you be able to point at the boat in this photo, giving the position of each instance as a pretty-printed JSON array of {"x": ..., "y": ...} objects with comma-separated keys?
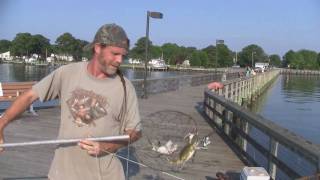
[{"x": 158, "y": 64}]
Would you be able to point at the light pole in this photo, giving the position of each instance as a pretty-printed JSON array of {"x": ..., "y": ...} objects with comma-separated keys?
[
  {"x": 252, "y": 53},
  {"x": 217, "y": 43},
  {"x": 156, "y": 15}
]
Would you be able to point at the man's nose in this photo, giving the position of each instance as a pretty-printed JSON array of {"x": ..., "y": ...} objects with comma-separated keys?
[{"x": 119, "y": 59}]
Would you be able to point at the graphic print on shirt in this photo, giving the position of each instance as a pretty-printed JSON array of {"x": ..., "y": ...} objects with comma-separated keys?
[{"x": 86, "y": 107}]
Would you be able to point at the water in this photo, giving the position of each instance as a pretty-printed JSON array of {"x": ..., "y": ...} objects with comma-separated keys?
[
  {"x": 293, "y": 102},
  {"x": 21, "y": 72}
]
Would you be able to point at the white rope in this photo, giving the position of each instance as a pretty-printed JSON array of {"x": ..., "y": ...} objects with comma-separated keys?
[
  {"x": 99, "y": 167},
  {"x": 66, "y": 141},
  {"x": 128, "y": 157}
]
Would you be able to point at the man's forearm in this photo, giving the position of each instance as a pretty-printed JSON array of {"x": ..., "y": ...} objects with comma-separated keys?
[
  {"x": 17, "y": 107},
  {"x": 115, "y": 145},
  {"x": 134, "y": 136}
]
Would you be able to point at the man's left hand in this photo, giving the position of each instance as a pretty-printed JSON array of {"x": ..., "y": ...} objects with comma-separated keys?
[
  {"x": 95, "y": 148},
  {"x": 98, "y": 148}
]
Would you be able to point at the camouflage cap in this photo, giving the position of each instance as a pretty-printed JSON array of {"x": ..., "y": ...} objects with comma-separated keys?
[{"x": 110, "y": 35}]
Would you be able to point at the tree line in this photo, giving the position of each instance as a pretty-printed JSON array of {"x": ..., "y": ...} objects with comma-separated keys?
[
  {"x": 25, "y": 44},
  {"x": 216, "y": 55}
]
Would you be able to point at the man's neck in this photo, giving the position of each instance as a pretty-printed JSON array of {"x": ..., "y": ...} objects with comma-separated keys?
[{"x": 94, "y": 70}]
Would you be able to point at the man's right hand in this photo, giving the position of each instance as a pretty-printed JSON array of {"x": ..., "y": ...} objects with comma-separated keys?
[{"x": 16, "y": 108}]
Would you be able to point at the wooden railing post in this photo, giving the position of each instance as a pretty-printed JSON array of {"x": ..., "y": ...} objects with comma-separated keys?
[
  {"x": 227, "y": 117},
  {"x": 273, "y": 151},
  {"x": 245, "y": 129}
]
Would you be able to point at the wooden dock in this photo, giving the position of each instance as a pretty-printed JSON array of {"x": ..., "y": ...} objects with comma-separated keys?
[{"x": 178, "y": 110}]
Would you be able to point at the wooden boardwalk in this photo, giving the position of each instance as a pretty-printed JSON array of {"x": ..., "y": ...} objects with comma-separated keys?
[{"x": 178, "y": 111}]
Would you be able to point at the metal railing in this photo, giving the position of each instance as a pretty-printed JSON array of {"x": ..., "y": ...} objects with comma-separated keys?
[{"x": 259, "y": 141}]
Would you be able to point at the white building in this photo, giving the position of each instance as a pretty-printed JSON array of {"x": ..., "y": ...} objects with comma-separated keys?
[
  {"x": 64, "y": 57},
  {"x": 134, "y": 61},
  {"x": 186, "y": 63},
  {"x": 33, "y": 58},
  {"x": 6, "y": 56},
  {"x": 84, "y": 59}
]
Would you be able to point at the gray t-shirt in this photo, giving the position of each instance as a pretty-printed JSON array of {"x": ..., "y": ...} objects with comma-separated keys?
[{"x": 89, "y": 107}]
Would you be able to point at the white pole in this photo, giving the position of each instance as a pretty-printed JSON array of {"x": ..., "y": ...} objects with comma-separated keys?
[{"x": 65, "y": 141}]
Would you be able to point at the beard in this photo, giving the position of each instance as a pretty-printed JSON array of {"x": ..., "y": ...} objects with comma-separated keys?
[{"x": 109, "y": 69}]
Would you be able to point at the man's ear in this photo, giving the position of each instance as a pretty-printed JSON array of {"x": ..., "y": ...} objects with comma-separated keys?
[{"x": 97, "y": 48}]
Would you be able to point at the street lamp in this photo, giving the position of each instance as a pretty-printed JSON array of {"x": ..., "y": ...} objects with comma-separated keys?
[
  {"x": 156, "y": 15},
  {"x": 252, "y": 53}
]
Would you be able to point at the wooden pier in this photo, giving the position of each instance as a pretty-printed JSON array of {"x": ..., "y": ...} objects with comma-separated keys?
[{"x": 183, "y": 104}]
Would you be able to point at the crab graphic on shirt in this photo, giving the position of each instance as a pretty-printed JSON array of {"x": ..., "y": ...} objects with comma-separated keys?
[{"x": 86, "y": 107}]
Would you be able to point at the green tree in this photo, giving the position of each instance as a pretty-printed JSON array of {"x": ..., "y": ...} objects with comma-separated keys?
[
  {"x": 211, "y": 53},
  {"x": 303, "y": 59},
  {"x": 39, "y": 45},
  {"x": 155, "y": 52},
  {"x": 66, "y": 44},
  {"x": 78, "y": 51},
  {"x": 195, "y": 59},
  {"x": 183, "y": 54},
  {"x": 288, "y": 58},
  {"x": 318, "y": 59},
  {"x": 203, "y": 58},
  {"x": 21, "y": 45},
  {"x": 170, "y": 52},
  {"x": 297, "y": 62},
  {"x": 275, "y": 60},
  {"x": 138, "y": 51},
  {"x": 84, "y": 53},
  {"x": 309, "y": 59},
  {"x": 69, "y": 45},
  {"x": 252, "y": 52},
  {"x": 4, "y": 45},
  {"x": 225, "y": 56}
]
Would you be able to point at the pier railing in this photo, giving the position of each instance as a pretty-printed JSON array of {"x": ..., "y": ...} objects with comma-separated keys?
[
  {"x": 259, "y": 141},
  {"x": 300, "y": 72},
  {"x": 158, "y": 85},
  {"x": 246, "y": 89}
]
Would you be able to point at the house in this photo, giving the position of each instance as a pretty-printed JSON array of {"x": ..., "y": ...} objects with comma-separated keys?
[
  {"x": 186, "y": 63},
  {"x": 33, "y": 58},
  {"x": 6, "y": 56},
  {"x": 134, "y": 61},
  {"x": 64, "y": 57}
]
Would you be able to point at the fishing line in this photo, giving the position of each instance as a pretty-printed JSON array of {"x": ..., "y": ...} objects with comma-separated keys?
[{"x": 143, "y": 165}]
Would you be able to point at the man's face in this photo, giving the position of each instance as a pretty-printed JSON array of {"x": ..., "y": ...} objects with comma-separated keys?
[{"x": 110, "y": 58}]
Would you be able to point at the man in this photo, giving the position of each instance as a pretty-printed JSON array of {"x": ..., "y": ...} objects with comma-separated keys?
[
  {"x": 215, "y": 85},
  {"x": 96, "y": 100}
]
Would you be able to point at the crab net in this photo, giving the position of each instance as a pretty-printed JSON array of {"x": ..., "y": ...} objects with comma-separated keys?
[{"x": 164, "y": 136}]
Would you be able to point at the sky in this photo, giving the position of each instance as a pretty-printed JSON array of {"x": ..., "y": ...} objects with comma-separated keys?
[{"x": 275, "y": 25}]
